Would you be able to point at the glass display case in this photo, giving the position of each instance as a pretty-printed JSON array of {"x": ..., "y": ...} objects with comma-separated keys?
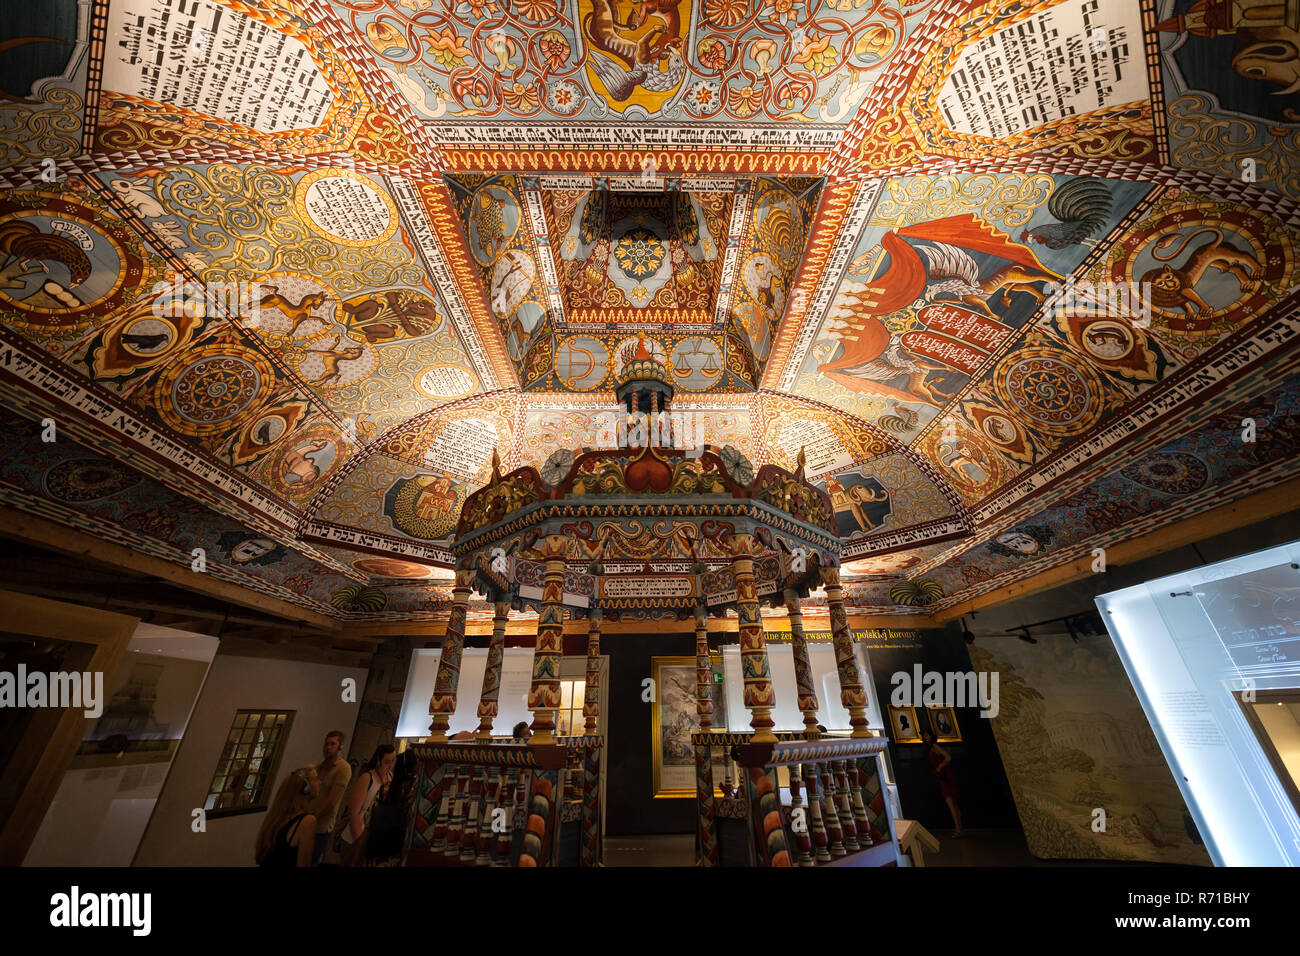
[{"x": 1214, "y": 657}]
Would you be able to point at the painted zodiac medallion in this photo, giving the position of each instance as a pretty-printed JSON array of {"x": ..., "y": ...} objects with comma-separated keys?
[
  {"x": 967, "y": 459},
  {"x": 1028, "y": 541},
  {"x": 1050, "y": 390},
  {"x": 83, "y": 480},
  {"x": 512, "y": 280},
  {"x": 1114, "y": 345},
  {"x": 61, "y": 266},
  {"x": 306, "y": 461},
  {"x": 245, "y": 547},
  {"x": 208, "y": 389},
  {"x": 1004, "y": 431},
  {"x": 581, "y": 363},
  {"x": 493, "y": 221},
  {"x": 697, "y": 364},
  {"x": 391, "y": 568},
  {"x": 1203, "y": 267},
  {"x": 1169, "y": 472}
]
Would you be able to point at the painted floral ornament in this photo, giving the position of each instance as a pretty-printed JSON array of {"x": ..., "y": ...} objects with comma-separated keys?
[
  {"x": 913, "y": 593},
  {"x": 557, "y": 467},
  {"x": 738, "y": 466}
]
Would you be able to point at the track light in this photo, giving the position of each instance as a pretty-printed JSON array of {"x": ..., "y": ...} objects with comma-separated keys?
[{"x": 1025, "y": 636}]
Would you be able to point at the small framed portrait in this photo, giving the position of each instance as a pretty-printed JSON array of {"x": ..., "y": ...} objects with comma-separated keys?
[
  {"x": 944, "y": 722},
  {"x": 903, "y": 722}
]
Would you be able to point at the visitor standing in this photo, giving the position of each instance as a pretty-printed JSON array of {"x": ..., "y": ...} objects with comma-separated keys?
[
  {"x": 353, "y": 829},
  {"x": 334, "y": 773},
  {"x": 286, "y": 836},
  {"x": 392, "y": 811},
  {"x": 940, "y": 760}
]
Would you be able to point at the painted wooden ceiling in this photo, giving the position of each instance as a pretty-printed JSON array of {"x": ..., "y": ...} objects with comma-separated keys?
[{"x": 285, "y": 274}]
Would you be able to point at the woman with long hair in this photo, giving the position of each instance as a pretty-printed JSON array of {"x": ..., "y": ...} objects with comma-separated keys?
[
  {"x": 288, "y": 831},
  {"x": 939, "y": 760},
  {"x": 392, "y": 812},
  {"x": 352, "y": 829}
]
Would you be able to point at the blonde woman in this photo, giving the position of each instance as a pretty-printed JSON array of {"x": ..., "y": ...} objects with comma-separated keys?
[
  {"x": 353, "y": 829},
  {"x": 288, "y": 832}
]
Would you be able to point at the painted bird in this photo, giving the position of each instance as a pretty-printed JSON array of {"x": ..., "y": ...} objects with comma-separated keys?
[
  {"x": 899, "y": 418},
  {"x": 1083, "y": 206},
  {"x": 20, "y": 239}
]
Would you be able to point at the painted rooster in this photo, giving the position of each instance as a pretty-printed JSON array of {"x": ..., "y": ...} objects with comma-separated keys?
[
  {"x": 20, "y": 239},
  {"x": 1082, "y": 205}
]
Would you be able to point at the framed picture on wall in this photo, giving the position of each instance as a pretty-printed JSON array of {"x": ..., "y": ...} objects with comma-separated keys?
[
  {"x": 943, "y": 720},
  {"x": 673, "y": 720},
  {"x": 902, "y": 720}
]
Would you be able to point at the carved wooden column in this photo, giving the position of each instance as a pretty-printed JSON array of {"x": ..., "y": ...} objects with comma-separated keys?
[
  {"x": 544, "y": 694},
  {"x": 443, "y": 702},
  {"x": 852, "y": 694},
  {"x": 703, "y": 671},
  {"x": 759, "y": 696},
  {"x": 816, "y": 827},
  {"x": 591, "y": 695},
  {"x": 706, "y": 837},
  {"x": 491, "y": 791},
  {"x": 860, "y": 820},
  {"x": 799, "y": 820},
  {"x": 830, "y": 811},
  {"x": 487, "y": 704},
  {"x": 844, "y": 805},
  {"x": 802, "y": 670},
  {"x": 507, "y": 800}
]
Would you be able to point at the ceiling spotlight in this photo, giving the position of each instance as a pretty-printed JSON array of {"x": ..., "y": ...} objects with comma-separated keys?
[
  {"x": 1025, "y": 636},
  {"x": 968, "y": 637}
]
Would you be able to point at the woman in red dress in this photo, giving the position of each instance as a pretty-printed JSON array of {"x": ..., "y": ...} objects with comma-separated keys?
[{"x": 939, "y": 760}]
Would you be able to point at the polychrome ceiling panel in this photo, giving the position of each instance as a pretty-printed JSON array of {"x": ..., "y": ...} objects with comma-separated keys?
[
  {"x": 1011, "y": 275},
  {"x": 574, "y": 269},
  {"x": 1232, "y": 89},
  {"x": 43, "y": 82},
  {"x": 720, "y": 62}
]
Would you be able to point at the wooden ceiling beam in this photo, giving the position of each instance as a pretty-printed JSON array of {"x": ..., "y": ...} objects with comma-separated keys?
[
  {"x": 812, "y": 622},
  {"x": 52, "y": 536},
  {"x": 1261, "y": 506}
]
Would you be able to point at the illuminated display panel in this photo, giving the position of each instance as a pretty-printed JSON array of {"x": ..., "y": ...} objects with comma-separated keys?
[{"x": 1193, "y": 644}]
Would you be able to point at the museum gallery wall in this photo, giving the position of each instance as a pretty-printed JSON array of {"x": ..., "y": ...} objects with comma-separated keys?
[
  {"x": 1074, "y": 741},
  {"x": 985, "y": 799}
]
